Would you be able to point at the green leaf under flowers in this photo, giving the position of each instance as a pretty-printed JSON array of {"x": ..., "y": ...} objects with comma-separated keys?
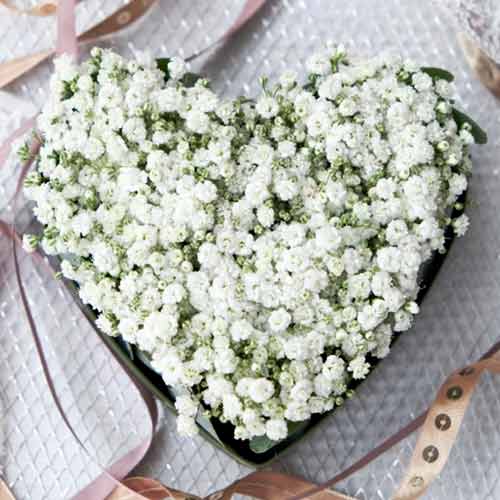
[
  {"x": 189, "y": 79},
  {"x": 477, "y": 132},
  {"x": 438, "y": 73},
  {"x": 162, "y": 64},
  {"x": 261, "y": 444}
]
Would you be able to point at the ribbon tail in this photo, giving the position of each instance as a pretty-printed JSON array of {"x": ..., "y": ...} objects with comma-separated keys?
[
  {"x": 5, "y": 493},
  {"x": 104, "y": 484},
  {"x": 486, "y": 69},
  {"x": 266, "y": 485},
  {"x": 12, "y": 70},
  {"x": 120, "y": 19},
  {"x": 66, "y": 28},
  {"x": 147, "y": 488}
]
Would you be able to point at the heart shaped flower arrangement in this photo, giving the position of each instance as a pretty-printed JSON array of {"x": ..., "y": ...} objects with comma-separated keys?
[{"x": 259, "y": 253}]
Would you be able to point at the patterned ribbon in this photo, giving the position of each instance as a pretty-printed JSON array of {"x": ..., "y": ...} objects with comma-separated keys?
[
  {"x": 441, "y": 422},
  {"x": 41, "y": 10}
]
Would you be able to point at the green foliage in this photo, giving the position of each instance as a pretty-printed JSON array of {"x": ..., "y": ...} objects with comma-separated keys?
[
  {"x": 162, "y": 64},
  {"x": 261, "y": 444},
  {"x": 462, "y": 120},
  {"x": 438, "y": 73}
]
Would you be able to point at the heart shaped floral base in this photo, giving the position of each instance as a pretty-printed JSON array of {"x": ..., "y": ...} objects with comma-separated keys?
[
  {"x": 219, "y": 434},
  {"x": 259, "y": 255}
]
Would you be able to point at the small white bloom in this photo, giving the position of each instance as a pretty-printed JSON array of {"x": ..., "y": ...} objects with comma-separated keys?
[
  {"x": 260, "y": 390},
  {"x": 30, "y": 243},
  {"x": 205, "y": 191},
  {"x": 176, "y": 68},
  {"x": 267, "y": 107},
  {"x": 333, "y": 368},
  {"x": 173, "y": 294},
  {"x": 461, "y": 224},
  {"x": 359, "y": 367},
  {"x": 328, "y": 238},
  {"x": 279, "y": 320},
  {"x": 318, "y": 64},
  {"x": 185, "y": 405},
  {"x": 276, "y": 429},
  {"x": 186, "y": 426}
]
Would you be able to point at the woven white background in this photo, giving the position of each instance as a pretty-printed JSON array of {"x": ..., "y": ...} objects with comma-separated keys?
[{"x": 459, "y": 320}]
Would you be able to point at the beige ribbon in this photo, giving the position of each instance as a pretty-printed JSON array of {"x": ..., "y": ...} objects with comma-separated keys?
[
  {"x": 486, "y": 69},
  {"x": 41, "y": 10},
  {"x": 120, "y": 19},
  {"x": 5, "y": 493},
  {"x": 441, "y": 427}
]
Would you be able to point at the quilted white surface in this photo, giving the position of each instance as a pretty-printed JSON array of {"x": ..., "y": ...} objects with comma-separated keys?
[{"x": 459, "y": 320}]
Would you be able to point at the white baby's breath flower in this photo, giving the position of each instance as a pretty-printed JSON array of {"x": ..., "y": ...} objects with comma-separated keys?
[
  {"x": 267, "y": 107},
  {"x": 176, "y": 68},
  {"x": 260, "y": 390},
  {"x": 258, "y": 252},
  {"x": 30, "y": 243},
  {"x": 276, "y": 429},
  {"x": 186, "y": 426},
  {"x": 461, "y": 224},
  {"x": 279, "y": 320}
]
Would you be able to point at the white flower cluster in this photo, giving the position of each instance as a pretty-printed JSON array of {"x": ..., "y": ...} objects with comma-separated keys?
[{"x": 262, "y": 253}]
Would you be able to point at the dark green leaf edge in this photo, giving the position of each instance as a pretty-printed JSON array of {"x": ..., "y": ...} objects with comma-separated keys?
[
  {"x": 477, "y": 132},
  {"x": 438, "y": 73},
  {"x": 261, "y": 444}
]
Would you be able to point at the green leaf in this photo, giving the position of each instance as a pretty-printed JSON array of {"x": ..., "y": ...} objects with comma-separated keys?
[
  {"x": 189, "y": 79},
  {"x": 477, "y": 132},
  {"x": 438, "y": 73},
  {"x": 162, "y": 64},
  {"x": 294, "y": 427},
  {"x": 261, "y": 444}
]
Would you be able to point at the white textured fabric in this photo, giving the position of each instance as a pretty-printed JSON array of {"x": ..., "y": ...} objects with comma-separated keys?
[{"x": 459, "y": 319}]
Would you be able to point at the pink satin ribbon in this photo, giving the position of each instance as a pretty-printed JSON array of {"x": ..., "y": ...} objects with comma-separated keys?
[{"x": 67, "y": 42}]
